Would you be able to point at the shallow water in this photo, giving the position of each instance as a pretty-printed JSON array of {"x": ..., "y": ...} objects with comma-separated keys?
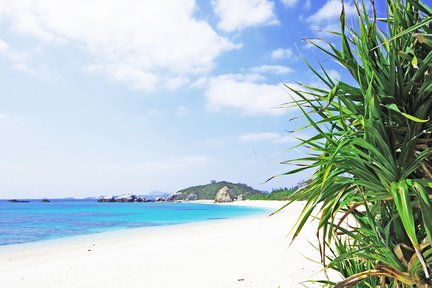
[{"x": 36, "y": 220}]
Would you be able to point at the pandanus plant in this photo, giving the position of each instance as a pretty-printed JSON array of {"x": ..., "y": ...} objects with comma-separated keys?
[{"x": 372, "y": 151}]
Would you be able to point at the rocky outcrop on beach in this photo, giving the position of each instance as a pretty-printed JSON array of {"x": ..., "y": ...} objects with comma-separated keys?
[
  {"x": 129, "y": 198},
  {"x": 224, "y": 195}
]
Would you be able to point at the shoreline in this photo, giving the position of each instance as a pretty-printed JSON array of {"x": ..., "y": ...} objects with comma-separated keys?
[
  {"x": 136, "y": 231},
  {"x": 265, "y": 207},
  {"x": 251, "y": 251}
]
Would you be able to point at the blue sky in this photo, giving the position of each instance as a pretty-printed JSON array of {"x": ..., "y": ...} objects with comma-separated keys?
[{"x": 110, "y": 97}]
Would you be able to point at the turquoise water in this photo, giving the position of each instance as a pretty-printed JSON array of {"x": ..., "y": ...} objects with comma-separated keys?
[{"x": 34, "y": 221}]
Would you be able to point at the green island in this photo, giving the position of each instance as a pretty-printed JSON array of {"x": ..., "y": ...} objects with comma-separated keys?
[{"x": 209, "y": 192}]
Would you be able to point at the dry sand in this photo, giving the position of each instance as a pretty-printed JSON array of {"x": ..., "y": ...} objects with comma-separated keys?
[{"x": 244, "y": 252}]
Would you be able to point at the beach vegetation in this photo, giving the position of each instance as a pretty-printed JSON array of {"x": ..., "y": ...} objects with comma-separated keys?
[
  {"x": 371, "y": 154},
  {"x": 280, "y": 194},
  {"x": 277, "y": 195}
]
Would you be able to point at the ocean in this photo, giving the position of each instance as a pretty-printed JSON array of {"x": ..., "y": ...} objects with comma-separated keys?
[{"x": 35, "y": 220}]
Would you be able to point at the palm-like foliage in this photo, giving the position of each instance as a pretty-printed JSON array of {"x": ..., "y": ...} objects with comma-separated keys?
[{"x": 373, "y": 149}]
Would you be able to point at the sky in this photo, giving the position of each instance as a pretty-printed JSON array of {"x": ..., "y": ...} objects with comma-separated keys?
[{"x": 106, "y": 97}]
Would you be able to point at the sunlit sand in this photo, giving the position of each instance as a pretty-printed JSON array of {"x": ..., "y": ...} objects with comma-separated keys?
[{"x": 247, "y": 252}]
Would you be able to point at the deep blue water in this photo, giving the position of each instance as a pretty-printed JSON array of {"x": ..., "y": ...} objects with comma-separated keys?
[{"x": 36, "y": 220}]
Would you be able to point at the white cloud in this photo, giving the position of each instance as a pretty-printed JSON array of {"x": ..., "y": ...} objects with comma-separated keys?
[
  {"x": 276, "y": 69},
  {"x": 132, "y": 41},
  {"x": 281, "y": 53},
  {"x": 3, "y": 116},
  {"x": 250, "y": 97},
  {"x": 289, "y": 3},
  {"x": 134, "y": 76},
  {"x": 331, "y": 10},
  {"x": 237, "y": 15},
  {"x": 327, "y": 17}
]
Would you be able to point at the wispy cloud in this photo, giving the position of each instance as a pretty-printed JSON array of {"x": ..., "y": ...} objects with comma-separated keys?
[
  {"x": 8, "y": 53},
  {"x": 22, "y": 61},
  {"x": 281, "y": 53},
  {"x": 240, "y": 14},
  {"x": 136, "y": 48},
  {"x": 276, "y": 69}
]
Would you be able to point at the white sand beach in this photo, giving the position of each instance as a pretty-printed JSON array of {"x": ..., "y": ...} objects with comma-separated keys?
[{"x": 244, "y": 252}]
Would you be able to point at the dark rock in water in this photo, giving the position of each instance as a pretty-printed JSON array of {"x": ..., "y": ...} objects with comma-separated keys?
[
  {"x": 45, "y": 200},
  {"x": 18, "y": 201}
]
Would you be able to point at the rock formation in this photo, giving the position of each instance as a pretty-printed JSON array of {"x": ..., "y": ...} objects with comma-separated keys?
[
  {"x": 224, "y": 195},
  {"x": 192, "y": 197},
  {"x": 129, "y": 198},
  {"x": 175, "y": 197}
]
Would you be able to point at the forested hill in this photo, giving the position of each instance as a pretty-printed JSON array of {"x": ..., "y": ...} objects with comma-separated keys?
[{"x": 209, "y": 191}]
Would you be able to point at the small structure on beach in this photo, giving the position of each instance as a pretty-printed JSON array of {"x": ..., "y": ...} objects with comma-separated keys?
[{"x": 223, "y": 195}]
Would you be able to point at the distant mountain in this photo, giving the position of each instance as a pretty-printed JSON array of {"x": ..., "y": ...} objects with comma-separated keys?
[{"x": 208, "y": 191}]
